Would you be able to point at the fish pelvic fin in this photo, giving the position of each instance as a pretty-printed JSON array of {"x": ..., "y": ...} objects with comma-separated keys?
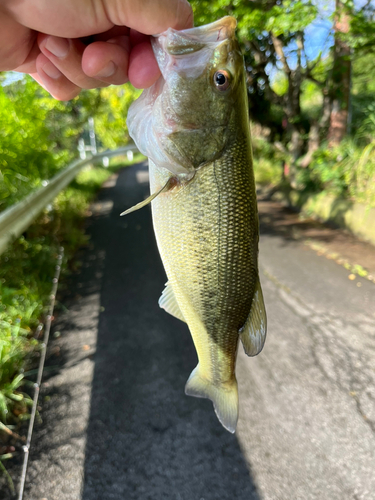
[
  {"x": 169, "y": 303},
  {"x": 253, "y": 333},
  {"x": 171, "y": 182},
  {"x": 224, "y": 397}
]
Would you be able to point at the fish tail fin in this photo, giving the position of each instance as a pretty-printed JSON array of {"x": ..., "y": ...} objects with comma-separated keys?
[{"x": 224, "y": 397}]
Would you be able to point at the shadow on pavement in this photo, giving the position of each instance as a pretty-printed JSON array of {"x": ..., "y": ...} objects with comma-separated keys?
[
  {"x": 277, "y": 220},
  {"x": 145, "y": 438}
]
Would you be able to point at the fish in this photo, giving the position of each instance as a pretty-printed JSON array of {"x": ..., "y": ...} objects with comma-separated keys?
[{"x": 193, "y": 125}]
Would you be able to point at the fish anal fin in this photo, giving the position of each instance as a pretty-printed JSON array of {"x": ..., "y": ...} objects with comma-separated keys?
[
  {"x": 224, "y": 397},
  {"x": 171, "y": 182},
  {"x": 253, "y": 333},
  {"x": 169, "y": 303}
]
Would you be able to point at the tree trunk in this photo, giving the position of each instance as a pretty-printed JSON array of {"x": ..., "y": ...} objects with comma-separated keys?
[
  {"x": 313, "y": 144},
  {"x": 292, "y": 103},
  {"x": 340, "y": 90}
]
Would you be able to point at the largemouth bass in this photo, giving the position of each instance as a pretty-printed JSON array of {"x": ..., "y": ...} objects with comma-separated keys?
[{"x": 193, "y": 125}]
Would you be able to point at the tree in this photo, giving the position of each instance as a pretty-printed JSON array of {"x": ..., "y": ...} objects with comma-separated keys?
[
  {"x": 25, "y": 147},
  {"x": 273, "y": 35},
  {"x": 341, "y": 75},
  {"x": 39, "y": 135}
]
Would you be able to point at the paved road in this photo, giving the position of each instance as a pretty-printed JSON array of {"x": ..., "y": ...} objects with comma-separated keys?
[{"x": 116, "y": 422}]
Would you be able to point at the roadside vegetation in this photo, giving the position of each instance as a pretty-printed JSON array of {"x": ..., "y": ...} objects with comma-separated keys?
[{"x": 26, "y": 272}]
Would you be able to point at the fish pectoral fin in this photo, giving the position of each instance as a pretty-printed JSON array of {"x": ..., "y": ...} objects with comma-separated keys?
[
  {"x": 253, "y": 333},
  {"x": 223, "y": 396},
  {"x": 169, "y": 303},
  {"x": 168, "y": 185}
]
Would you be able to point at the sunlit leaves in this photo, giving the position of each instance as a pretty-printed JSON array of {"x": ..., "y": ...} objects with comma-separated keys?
[
  {"x": 280, "y": 84},
  {"x": 24, "y": 142},
  {"x": 362, "y": 31},
  {"x": 110, "y": 122},
  {"x": 348, "y": 170},
  {"x": 290, "y": 16},
  {"x": 39, "y": 135}
]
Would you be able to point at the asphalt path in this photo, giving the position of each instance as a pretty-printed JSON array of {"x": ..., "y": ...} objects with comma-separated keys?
[{"x": 116, "y": 424}]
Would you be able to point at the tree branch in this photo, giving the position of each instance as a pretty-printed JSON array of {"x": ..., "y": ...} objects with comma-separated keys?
[
  {"x": 278, "y": 44},
  {"x": 365, "y": 6},
  {"x": 261, "y": 62},
  {"x": 300, "y": 49},
  {"x": 309, "y": 76}
]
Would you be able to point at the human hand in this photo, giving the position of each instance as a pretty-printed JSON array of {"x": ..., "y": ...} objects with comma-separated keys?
[{"x": 69, "y": 45}]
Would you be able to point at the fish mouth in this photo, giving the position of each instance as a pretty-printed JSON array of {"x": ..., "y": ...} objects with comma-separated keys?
[
  {"x": 190, "y": 50},
  {"x": 217, "y": 31},
  {"x": 193, "y": 39}
]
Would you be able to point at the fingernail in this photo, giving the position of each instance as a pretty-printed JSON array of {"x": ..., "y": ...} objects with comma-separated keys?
[
  {"x": 51, "y": 70},
  {"x": 107, "y": 71},
  {"x": 59, "y": 47}
]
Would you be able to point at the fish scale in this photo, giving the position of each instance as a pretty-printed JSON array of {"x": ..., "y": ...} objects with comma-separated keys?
[{"x": 214, "y": 238}]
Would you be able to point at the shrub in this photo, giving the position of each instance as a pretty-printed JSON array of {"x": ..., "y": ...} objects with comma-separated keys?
[{"x": 348, "y": 170}]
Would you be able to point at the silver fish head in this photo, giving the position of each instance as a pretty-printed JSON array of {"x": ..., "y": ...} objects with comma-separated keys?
[{"x": 186, "y": 114}]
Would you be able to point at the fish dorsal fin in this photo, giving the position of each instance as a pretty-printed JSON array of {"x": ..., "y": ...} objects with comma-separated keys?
[
  {"x": 253, "y": 333},
  {"x": 168, "y": 302},
  {"x": 168, "y": 185}
]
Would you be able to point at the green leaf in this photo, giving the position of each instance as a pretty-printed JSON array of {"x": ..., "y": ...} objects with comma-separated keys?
[{"x": 16, "y": 382}]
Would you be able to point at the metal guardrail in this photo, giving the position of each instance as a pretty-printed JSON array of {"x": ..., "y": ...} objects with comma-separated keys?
[{"x": 17, "y": 218}]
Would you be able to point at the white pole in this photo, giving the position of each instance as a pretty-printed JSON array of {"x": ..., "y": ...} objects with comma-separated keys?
[
  {"x": 92, "y": 136},
  {"x": 81, "y": 149}
]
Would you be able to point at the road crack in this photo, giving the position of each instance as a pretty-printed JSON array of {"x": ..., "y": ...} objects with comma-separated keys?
[{"x": 343, "y": 351}]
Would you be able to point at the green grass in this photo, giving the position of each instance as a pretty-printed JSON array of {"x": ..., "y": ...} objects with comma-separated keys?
[{"x": 26, "y": 272}]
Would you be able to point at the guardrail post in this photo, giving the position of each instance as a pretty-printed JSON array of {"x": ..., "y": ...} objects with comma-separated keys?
[
  {"x": 92, "y": 136},
  {"x": 82, "y": 149}
]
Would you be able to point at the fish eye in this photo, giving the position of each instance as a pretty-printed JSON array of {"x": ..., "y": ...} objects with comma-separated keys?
[{"x": 222, "y": 79}]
